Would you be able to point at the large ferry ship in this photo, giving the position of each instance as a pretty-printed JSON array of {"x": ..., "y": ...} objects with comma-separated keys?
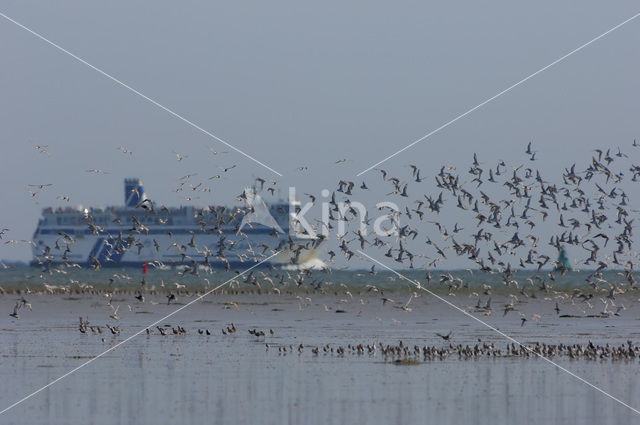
[{"x": 141, "y": 232}]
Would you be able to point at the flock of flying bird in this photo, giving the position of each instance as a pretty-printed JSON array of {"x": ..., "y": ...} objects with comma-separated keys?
[
  {"x": 511, "y": 220},
  {"x": 498, "y": 210}
]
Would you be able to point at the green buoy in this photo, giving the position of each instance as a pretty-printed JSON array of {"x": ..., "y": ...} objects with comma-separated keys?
[{"x": 563, "y": 263}]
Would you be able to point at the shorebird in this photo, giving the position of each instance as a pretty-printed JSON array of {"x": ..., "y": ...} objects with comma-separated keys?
[
  {"x": 225, "y": 169},
  {"x": 523, "y": 319},
  {"x": 114, "y": 315},
  {"x": 15, "y": 311},
  {"x": 214, "y": 152},
  {"x": 115, "y": 330},
  {"x": 40, "y": 186},
  {"x": 124, "y": 150},
  {"x": 41, "y": 149},
  {"x": 179, "y": 157},
  {"x": 444, "y": 337},
  {"x": 406, "y": 307},
  {"x": 25, "y": 303}
]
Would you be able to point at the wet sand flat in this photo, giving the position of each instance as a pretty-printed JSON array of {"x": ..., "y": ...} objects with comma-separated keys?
[{"x": 236, "y": 378}]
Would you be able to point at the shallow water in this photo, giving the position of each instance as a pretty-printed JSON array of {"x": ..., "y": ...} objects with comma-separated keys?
[
  {"x": 234, "y": 379},
  {"x": 33, "y": 278}
]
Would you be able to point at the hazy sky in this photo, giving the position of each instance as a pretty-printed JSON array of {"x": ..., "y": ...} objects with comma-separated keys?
[{"x": 297, "y": 84}]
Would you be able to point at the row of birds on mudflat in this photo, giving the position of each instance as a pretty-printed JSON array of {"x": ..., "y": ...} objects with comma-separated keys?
[
  {"x": 85, "y": 327},
  {"x": 405, "y": 354}
]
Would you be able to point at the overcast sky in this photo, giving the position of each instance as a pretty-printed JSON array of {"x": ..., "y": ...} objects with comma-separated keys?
[{"x": 297, "y": 84}]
